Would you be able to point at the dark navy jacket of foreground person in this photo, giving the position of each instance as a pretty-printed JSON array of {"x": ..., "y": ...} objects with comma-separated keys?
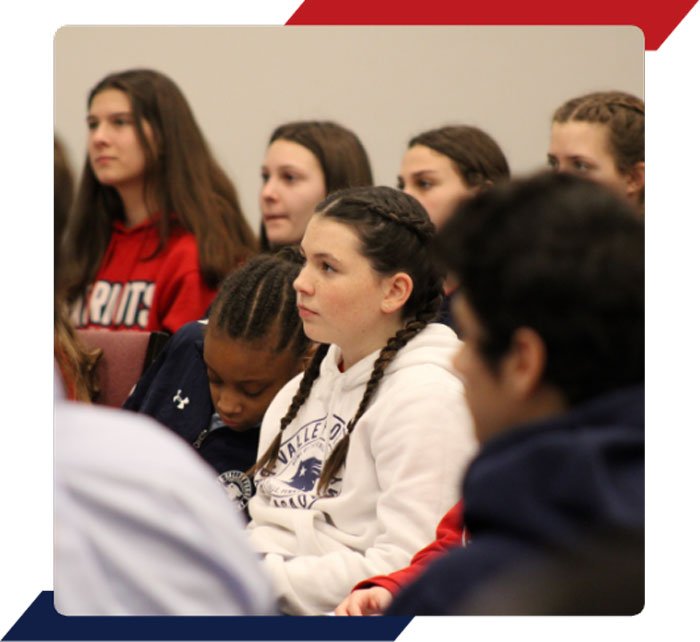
[
  {"x": 535, "y": 494},
  {"x": 175, "y": 391}
]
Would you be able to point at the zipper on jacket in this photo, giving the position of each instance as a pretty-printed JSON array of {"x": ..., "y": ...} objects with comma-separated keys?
[{"x": 202, "y": 436}]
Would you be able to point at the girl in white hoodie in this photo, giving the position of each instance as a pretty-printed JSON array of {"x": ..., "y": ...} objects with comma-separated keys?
[{"x": 361, "y": 455}]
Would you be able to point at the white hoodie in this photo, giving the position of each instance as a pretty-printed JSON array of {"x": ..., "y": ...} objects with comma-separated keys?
[{"x": 403, "y": 471}]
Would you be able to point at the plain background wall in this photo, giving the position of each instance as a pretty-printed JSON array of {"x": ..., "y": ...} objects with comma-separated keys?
[{"x": 385, "y": 83}]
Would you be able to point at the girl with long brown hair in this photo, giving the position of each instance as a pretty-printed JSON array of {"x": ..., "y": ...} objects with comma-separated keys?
[
  {"x": 157, "y": 223},
  {"x": 305, "y": 161},
  {"x": 444, "y": 166}
]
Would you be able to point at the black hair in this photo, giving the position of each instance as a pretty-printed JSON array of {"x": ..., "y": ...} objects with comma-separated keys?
[
  {"x": 563, "y": 256},
  {"x": 258, "y": 299},
  {"x": 395, "y": 234}
]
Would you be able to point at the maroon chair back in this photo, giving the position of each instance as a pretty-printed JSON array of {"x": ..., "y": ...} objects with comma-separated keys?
[{"x": 125, "y": 356}]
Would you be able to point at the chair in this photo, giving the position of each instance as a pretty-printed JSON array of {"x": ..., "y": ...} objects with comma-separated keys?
[{"x": 126, "y": 355}]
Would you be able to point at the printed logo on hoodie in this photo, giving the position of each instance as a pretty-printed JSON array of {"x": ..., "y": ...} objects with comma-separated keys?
[
  {"x": 238, "y": 487},
  {"x": 300, "y": 461},
  {"x": 116, "y": 304}
]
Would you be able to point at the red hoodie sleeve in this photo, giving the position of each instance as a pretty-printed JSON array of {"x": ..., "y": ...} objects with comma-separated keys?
[{"x": 449, "y": 534}]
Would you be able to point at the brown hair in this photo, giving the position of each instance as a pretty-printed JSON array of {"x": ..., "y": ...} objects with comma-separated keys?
[
  {"x": 75, "y": 362},
  {"x": 339, "y": 152},
  {"x": 63, "y": 188},
  {"x": 395, "y": 233},
  {"x": 181, "y": 175},
  {"x": 623, "y": 115},
  {"x": 477, "y": 157}
]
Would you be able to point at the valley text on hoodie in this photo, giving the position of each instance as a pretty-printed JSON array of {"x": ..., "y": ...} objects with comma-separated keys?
[{"x": 405, "y": 462}]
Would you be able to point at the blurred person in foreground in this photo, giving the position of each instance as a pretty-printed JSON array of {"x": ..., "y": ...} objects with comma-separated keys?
[
  {"x": 141, "y": 525},
  {"x": 551, "y": 312}
]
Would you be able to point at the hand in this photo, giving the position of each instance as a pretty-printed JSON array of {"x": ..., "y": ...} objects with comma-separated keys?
[{"x": 370, "y": 601}]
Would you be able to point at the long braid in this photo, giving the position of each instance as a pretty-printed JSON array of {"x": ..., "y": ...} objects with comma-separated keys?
[
  {"x": 257, "y": 303},
  {"x": 395, "y": 233},
  {"x": 337, "y": 458},
  {"x": 311, "y": 373},
  {"x": 399, "y": 241}
]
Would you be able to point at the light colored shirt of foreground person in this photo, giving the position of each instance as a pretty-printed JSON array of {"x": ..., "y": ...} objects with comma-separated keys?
[{"x": 141, "y": 525}]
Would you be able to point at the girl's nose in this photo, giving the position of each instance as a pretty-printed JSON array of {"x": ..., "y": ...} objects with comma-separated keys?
[
  {"x": 268, "y": 190},
  {"x": 302, "y": 283},
  {"x": 230, "y": 404},
  {"x": 98, "y": 135},
  {"x": 410, "y": 191}
]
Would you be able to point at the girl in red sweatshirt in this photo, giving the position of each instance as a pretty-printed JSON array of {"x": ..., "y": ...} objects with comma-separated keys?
[{"x": 157, "y": 223}]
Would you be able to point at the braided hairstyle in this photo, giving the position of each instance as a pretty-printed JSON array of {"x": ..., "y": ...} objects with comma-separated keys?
[
  {"x": 395, "y": 233},
  {"x": 623, "y": 115},
  {"x": 257, "y": 301}
]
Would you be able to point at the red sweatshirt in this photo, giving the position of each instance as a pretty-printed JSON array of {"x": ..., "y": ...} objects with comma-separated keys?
[
  {"x": 450, "y": 533},
  {"x": 161, "y": 293}
]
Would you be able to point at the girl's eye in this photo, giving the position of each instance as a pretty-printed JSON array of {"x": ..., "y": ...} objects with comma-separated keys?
[
  {"x": 290, "y": 178},
  {"x": 92, "y": 124},
  {"x": 265, "y": 176},
  {"x": 580, "y": 166},
  {"x": 121, "y": 120},
  {"x": 326, "y": 267},
  {"x": 400, "y": 185},
  {"x": 213, "y": 379},
  {"x": 252, "y": 393},
  {"x": 552, "y": 162},
  {"x": 424, "y": 184}
]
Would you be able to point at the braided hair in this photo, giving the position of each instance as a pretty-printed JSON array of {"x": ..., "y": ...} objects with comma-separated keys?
[
  {"x": 621, "y": 113},
  {"x": 395, "y": 232},
  {"x": 258, "y": 300}
]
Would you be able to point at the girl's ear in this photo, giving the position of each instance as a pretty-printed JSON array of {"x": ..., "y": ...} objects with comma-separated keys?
[
  {"x": 524, "y": 365},
  {"x": 635, "y": 180},
  {"x": 397, "y": 290}
]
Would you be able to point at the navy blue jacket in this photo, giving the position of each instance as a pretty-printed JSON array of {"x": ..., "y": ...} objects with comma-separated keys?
[
  {"x": 445, "y": 314},
  {"x": 539, "y": 493},
  {"x": 175, "y": 391}
]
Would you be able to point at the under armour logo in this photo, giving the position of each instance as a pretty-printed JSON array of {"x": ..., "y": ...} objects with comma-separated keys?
[{"x": 181, "y": 403}]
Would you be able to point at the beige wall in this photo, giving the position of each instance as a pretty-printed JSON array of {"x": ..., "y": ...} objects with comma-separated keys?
[{"x": 385, "y": 83}]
